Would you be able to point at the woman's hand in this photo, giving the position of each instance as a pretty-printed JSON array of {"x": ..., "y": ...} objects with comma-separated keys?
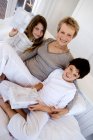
[
  {"x": 58, "y": 113},
  {"x": 40, "y": 107},
  {"x": 13, "y": 32}
]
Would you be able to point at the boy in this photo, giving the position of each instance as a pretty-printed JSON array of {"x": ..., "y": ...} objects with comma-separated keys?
[{"x": 58, "y": 90}]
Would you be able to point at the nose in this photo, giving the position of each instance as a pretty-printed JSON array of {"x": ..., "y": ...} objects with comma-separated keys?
[
  {"x": 64, "y": 37},
  {"x": 69, "y": 74},
  {"x": 39, "y": 33}
]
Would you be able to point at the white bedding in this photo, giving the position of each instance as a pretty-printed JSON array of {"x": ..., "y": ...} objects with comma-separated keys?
[{"x": 65, "y": 128}]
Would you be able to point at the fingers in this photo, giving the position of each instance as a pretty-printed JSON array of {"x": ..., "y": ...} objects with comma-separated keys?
[
  {"x": 33, "y": 107},
  {"x": 54, "y": 116},
  {"x": 13, "y": 32},
  {"x": 54, "y": 110}
]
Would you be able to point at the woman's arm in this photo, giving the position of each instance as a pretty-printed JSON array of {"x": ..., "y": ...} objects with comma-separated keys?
[{"x": 28, "y": 54}]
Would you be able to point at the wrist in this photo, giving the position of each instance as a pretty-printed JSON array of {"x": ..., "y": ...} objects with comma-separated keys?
[{"x": 48, "y": 109}]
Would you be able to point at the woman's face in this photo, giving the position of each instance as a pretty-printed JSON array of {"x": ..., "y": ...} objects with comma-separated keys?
[
  {"x": 65, "y": 34},
  {"x": 38, "y": 31}
]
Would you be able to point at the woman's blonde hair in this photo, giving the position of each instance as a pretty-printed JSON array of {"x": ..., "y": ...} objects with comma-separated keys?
[
  {"x": 29, "y": 30},
  {"x": 71, "y": 22}
]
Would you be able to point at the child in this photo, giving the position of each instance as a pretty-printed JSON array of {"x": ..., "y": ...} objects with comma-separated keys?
[
  {"x": 32, "y": 36},
  {"x": 58, "y": 90}
]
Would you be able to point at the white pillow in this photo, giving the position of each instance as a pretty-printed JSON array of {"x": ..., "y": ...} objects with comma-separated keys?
[{"x": 77, "y": 105}]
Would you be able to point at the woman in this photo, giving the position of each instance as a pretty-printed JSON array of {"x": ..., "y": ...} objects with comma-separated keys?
[
  {"x": 32, "y": 36},
  {"x": 52, "y": 54}
]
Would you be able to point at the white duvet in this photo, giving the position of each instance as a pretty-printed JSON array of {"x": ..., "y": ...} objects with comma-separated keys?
[{"x": 65, "y": 128}]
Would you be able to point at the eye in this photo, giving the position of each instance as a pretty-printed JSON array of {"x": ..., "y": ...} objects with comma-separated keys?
[
  {"x": 74, "y": 75},
  {"x": 70, "y": 69},
  {"x": 69, "y": 35},
  {"x": 62, "y": 32},
  {"x": 36, "y": 28}
]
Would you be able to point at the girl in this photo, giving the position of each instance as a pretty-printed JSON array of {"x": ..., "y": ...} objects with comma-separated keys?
[{"x": 32, "y": 36}]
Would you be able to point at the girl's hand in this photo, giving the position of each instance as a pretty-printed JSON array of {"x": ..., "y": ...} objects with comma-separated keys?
[{"x": 13, "y": 32}]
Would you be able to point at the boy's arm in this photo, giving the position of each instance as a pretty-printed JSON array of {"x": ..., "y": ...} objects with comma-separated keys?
[
  {"x": 58, "y": 113},
  {"x": 52, "y": 111},
  {"x": 40, "y": 107}
]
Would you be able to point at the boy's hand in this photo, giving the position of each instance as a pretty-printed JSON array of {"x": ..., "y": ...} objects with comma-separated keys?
[
  {"x": 39, "y": 107},
  {"x": 2, "y": 77},
  {"x": 58, "y": 113}
]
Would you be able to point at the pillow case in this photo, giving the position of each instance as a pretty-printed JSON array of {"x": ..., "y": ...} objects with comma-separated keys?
[{"x": 77, "y": 105}]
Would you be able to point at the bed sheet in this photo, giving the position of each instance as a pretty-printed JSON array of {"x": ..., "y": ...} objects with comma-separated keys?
[{"x": 65, "y": 128}]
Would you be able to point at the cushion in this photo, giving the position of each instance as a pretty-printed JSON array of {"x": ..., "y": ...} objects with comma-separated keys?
[{"x": 77, "y": 105}]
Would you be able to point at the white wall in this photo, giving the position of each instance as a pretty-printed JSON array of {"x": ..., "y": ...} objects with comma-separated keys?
[
  {"x": 54, "y": 10},
  {"x": 82, "y": 46}
]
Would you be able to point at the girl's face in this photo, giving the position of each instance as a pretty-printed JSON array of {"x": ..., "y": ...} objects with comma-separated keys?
[
  {"x": 71, "y": 73},
  {"x": 38, "y": 31},
  {"x": 65, "y": 34}
]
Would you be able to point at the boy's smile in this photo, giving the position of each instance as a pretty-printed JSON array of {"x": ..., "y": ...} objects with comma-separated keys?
[{"x": 71, "y": 73}]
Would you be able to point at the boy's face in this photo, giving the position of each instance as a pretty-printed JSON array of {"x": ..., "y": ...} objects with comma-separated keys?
[
  {"x": 65, "y": 34},
  {"x": 71, "y": 73}
]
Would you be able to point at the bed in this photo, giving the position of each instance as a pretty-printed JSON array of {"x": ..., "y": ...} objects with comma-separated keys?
[{"x": 64, "y": 128}]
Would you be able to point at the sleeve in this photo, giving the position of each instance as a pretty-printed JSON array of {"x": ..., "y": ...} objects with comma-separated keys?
[
  {"x": 66, "y": 99},
  {"x": 3, "y": 56},
  {"x": 28, "y": 54},
  {"x": 53, "y": 74},
  {"x": 30, "y": 129}
]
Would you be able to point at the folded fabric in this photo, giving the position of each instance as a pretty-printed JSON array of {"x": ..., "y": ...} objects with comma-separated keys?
[
  {"x": 21, "y": 97},
  {"x": 19, "y": 42},
  {"x": 21, "y": 19}
]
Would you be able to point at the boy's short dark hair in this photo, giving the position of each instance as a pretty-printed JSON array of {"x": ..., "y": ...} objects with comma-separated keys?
[{"x": 82, "y": 65}]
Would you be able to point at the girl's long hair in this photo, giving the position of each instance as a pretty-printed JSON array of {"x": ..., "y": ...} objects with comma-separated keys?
[{"x": 29, "y": 30}]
